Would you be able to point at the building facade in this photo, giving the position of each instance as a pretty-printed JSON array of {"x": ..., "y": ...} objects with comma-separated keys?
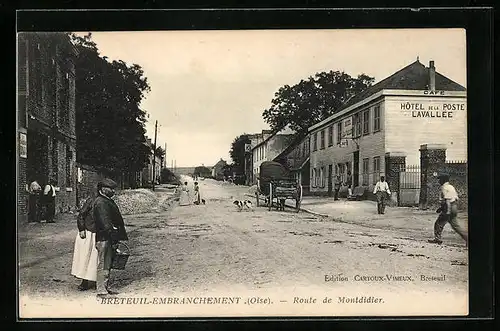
[
  {"x": 384, "y": 127},
  {"x": 46, "y": 117},
  {"x": 218, "y": 169},
  {"x": 269, "y": 148},
  {"x": 296, "y": 159},
  {"x": 255, "y": 139}
]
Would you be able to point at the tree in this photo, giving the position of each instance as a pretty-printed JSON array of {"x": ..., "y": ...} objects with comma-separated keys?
[
  {"x": 168, "y": 177},
  {"x": 237, "y": 152},
  {"x": 310, "y": 101},
  {"x": 108, "y": 95}
]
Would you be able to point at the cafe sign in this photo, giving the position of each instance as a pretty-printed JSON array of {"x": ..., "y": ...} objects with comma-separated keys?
[{"x": 23, "y": 145}]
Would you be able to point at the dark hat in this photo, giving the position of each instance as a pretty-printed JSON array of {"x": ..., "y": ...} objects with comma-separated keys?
[{"x": 106, "y": 182}]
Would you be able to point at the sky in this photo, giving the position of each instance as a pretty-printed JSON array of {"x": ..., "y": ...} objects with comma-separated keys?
[{"x": 208, "y": 87}]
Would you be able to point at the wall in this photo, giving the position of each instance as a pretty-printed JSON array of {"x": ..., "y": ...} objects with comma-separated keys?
[
  {"x": 370, "y": 145},
  {"x": 407, "y": 133}
]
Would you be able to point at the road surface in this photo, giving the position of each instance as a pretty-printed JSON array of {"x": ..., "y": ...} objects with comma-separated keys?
[{"x": 284, "y": 257}]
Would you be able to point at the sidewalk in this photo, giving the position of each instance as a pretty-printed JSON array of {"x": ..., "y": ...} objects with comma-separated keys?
[{"x": 364, "y": 213}]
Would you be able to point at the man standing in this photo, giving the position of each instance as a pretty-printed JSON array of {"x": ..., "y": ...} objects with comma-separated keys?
[
  {"x": 336, "y": 187},
  {"x": 109, "y": 230},
  {"x": 448, "y": 211},
  {"x": 34, "y": 201},
  {"x": 49, "y": 203},
  {"x": 349, "y": 183},
  {"x": 382, "y": 191}
]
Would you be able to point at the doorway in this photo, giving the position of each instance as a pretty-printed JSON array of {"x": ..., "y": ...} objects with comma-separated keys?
[
  {"x": 330, "y": 175},
  {"x": 38, "y": 154},
  {"x": 355, "y": 169}
]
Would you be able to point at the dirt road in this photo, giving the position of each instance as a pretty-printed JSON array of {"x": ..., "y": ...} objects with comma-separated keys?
[{"x": 279, "y": 255}]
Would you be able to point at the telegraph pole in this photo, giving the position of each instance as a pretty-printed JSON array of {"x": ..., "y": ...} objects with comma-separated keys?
[{"x": 154, "y": 156}]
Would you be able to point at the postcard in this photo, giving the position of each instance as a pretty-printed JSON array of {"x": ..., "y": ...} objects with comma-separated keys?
[{"x": 242, "y": 173}]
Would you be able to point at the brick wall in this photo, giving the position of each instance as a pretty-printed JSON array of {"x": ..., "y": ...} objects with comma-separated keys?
[
  {"x": 22, "y": 198},
  {"x": 433, "y": 163},
  {"x": 87, "y": 184}
]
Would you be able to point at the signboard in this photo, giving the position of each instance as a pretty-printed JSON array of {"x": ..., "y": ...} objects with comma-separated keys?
[
  {"x": 248, "y": 148},
  {"x": 432, "y": 109},
  {"x": 347, "y": 128},
  {"x": 23, "y": 145}
]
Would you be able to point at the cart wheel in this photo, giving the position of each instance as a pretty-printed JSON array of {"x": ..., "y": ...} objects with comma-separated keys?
[
  {"x": 257, "y": 199},
  {"x": 270, "y": 203},
  {"x": 298, "y": 199}
]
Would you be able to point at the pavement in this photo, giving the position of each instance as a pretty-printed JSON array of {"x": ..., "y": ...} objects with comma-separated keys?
[{"x": 364, "y": 213}]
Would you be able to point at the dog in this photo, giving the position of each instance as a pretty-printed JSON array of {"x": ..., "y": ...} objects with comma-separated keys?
[
  {"x": 203, "y": 201},
  {"x": 243, "y": 205}
]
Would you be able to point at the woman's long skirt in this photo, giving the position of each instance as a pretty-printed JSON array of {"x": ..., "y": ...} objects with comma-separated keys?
[
  {"x": 184, "y": 199},
  {"x": 85, "y": 257}
]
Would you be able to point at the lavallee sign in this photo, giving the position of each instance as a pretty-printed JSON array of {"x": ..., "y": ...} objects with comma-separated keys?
[{"x": 433, "y": 109}]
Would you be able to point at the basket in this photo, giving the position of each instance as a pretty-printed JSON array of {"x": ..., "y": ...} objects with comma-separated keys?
[{"x": 120, "y": 256}]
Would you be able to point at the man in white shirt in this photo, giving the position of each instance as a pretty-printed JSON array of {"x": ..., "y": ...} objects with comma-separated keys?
[
  {"x": 49, "y": 203},
  {"x": 448, "y": 211},
  {"x": 382, "y": 192}
]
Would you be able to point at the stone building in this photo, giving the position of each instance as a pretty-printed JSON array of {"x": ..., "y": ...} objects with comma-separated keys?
[
  {"x": 380, "y": 130},
  {"x": 46, "y": 116}
]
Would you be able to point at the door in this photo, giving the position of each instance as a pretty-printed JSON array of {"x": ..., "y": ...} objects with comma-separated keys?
[
  {"x": 355, "y": 174},
  {"x": 330, "y": 175}
]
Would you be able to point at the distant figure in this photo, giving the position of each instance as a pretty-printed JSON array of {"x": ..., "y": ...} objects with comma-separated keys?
[
  {"x": 48, "y": 200},
  {"x": 35, "y": 191},
  {"x": 382, "y": 191},
  {"x": 197, "y": 198},
  {"x": 337, "y": 184},
  {"x": 184, "y": 199},
  {"x": 349, "y": 183},
  {"x": 448, "y": 211}
]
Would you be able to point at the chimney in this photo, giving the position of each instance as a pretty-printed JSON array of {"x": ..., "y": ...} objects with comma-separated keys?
[{"x": 432, "y": 76}]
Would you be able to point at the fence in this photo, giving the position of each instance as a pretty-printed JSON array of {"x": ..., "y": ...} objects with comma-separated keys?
[{"x": 409, "y": 185}]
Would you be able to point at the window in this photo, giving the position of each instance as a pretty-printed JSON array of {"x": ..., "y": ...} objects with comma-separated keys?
[
  {"x": 36, "y": 89},
  {"x": 366, "y": 164},
  {"x": 69, "y": 161},
  {"x": 330, "y": 135},
  {"x": 366, "y": 122},
  {"x": 64, "y": 97},
  {"x": 322, "y": 176},
  {"x": 315, "y": 141},
  {"x": 376, "y": 119},
  {"x": 356, "y": 120},
  {"x": 339, "y": 133},
  {"x": 313, "y": 179},
  {"x": 322, "y": 139},
  {"x": 376, "y": 169},
  {"x": 55, "y": 167}
]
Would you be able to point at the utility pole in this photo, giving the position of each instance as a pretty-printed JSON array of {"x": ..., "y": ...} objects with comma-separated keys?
[{"x": 154, "y": 156}]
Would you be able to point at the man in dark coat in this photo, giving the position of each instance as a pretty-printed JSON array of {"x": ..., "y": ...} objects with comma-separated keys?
[
  {"x": 336, "y": 187},
  {"x": 109, "y": 230}
]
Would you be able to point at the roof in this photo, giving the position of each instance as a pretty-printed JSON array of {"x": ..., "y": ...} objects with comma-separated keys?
[
  {"x": 273, "y": 133},
  {"x": 296, "y": 142},
  {"x": 412, "y": 77}
]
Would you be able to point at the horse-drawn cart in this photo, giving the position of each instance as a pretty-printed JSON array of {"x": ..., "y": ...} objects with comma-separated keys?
[{"x": 276, "y": 184}]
